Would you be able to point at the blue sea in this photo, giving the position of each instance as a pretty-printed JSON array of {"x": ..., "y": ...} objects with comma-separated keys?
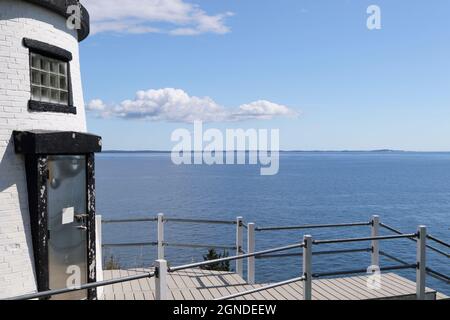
[{"x": 405, "y": 189}]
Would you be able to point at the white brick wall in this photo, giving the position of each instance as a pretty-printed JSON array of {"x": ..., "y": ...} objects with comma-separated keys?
[{"x": 20, "y": 19}]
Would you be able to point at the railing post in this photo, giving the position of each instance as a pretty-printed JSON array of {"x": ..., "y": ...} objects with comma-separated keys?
[
  {"x": 161, "y": 280},
  {"x": 421, "y": 263},
  {"x": 307, "y": 267},
  {"x": 160, "y": 236},
  {"x": 375, "y": 258},
  {"x": 239, "y": 246},
  {"x": 251, "y": 249}
]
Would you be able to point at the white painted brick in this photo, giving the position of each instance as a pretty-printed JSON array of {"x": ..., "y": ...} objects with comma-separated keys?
[{"x": 16, "y": 257}]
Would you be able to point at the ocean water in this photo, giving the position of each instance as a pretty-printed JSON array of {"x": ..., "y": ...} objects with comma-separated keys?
[{"x": 405, "y": 189}]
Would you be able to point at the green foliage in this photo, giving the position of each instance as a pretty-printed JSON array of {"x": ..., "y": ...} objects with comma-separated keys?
[
  {"x": 220, "y": 266},
  {"x": 111, "y": 264}
]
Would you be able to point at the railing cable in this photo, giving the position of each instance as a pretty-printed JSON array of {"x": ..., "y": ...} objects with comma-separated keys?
[
  {"x": 441, "y": 242},
  {"x": 243, "y": 256},
  {"x": 432, "y": 273},
  {"x": 410, "y": 235},
  {"x": 317, "y": 253},
  {"x": 49, "y": 293},
  {"x": 314, "y": 226},
  {"x": 358, "y": 271},
  {"x": 432, "y": 248},
  {"x": 177, "y": 220},
  {"x": 264, "y": 288},
  {"x": 131, "y": 220}
]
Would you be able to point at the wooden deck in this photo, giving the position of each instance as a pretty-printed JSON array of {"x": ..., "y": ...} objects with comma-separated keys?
[{"x": 196, "y": 284}]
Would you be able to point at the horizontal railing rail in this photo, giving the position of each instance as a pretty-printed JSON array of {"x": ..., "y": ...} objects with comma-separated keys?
[
  {"x": 169, "y": 244},
  {"x": 263, "y": 288},
  {"x": 201, "y": 221},
  {"x": 393, "y": 258},
  {"x": 313, "y": 226},
  {"x": 432, "y": 248},
  {"x": 177, "y": 220},
  {"x": 410, "y": 235},
  {"x": 131, "y": 220},
  {"x": 190, "y": 245},
  {"x": 432, "y": 273},
  {"x": 361, "y": 271},
  {"x": 316, "y": 253},
  {"x": 441, "y": 242},
  {"x": 438, "y": 275},
  {"x": 238, "y": 257},
  {"x": 49, "y": 293},
  {"x": 130, "y": 244}
]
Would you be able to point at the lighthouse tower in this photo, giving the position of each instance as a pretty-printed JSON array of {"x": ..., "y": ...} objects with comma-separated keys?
[{"x": 47, "y": 189}]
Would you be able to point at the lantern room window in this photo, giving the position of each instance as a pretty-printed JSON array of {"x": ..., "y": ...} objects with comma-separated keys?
[
  {"x": 49, "y": 80},
  {"x": 51, "y": 89}
]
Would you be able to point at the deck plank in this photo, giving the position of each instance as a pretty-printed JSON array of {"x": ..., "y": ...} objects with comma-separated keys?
[{"x": 197, "y": 284}]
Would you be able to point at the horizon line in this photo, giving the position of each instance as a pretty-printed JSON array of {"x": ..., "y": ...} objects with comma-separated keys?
[{"x": 284, "y": 151}]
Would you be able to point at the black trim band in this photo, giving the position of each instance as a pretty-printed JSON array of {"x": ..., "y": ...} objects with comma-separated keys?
[
  {"x": 48, "y": 49},
  {"x": 37, "y": 168},
  {"x": 50, "y": 107},
  {"x": 60, "y": 7},
  {"x": 56, "y": 142}
]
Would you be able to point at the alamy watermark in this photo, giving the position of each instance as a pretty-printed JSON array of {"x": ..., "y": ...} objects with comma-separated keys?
[
  {"x": 235, "y": 147},
  {"x": 374, "y": 278},
  {"x": 374, "y": 19},
  {"x": 74, "y": 17},
  {"x": 74, "y": 279}
]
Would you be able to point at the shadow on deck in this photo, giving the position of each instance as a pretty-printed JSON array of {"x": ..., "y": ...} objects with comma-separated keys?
[{"x": 196, "y": 284}]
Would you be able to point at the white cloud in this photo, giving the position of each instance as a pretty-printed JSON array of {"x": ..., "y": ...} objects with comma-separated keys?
[
  {"x": 96, "y": 105},
  {"x": 263, "y": 109},
  {"x": 175, "y": 105},
  {"x": 175, "y": 17}
]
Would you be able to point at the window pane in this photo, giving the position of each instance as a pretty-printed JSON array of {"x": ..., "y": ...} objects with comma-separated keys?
[
  {"x": 35, "y": 61},
  {"x": 54, "y": 96},
  {"x": 45, "y": 95},
  {"x": 45, "y": 79},
  {"x": 49, "y": 80},
  {"x": 36, "y": 93},
  {"x": 62, "y": 68},
  {"x": 63, "y": 83},
  {"x": 54, "y": 67},
  {"x": 35, "y": 77},
  {"x": 45, "y": 64},
  {"x": 64, "y": 98},
  {"x": 53, "y": 81}
]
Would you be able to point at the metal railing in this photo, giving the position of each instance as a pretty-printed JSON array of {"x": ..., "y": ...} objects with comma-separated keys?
[
  {"x": 161, "y": 244},
  {"x": 314, "y": 226},
  {"x": 402, "y": 236},
  {"x": 238, "y": 257},
  {"x": 263, "y": 288},
  {"x": 308, "y": 275},
  {"x": 432, "y": 248},
  {"x": 50, "y": 293},
  {"x": 307, "y": 254},
  {"x": 162, "y": 270},
  {"x": 316, "y": 253}
]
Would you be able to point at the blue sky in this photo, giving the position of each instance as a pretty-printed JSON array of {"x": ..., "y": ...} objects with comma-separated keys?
[{"x": 345, "y": 87}]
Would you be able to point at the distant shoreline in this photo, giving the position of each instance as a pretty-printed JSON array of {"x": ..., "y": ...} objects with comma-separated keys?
[{"x": 285, "y": 151}]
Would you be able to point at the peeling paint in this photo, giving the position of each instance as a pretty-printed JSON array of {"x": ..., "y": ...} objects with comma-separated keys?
[{"x": 92, "y": 272}]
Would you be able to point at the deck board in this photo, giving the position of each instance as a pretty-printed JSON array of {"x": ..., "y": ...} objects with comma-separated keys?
[{"x": 196, "y": 284}]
